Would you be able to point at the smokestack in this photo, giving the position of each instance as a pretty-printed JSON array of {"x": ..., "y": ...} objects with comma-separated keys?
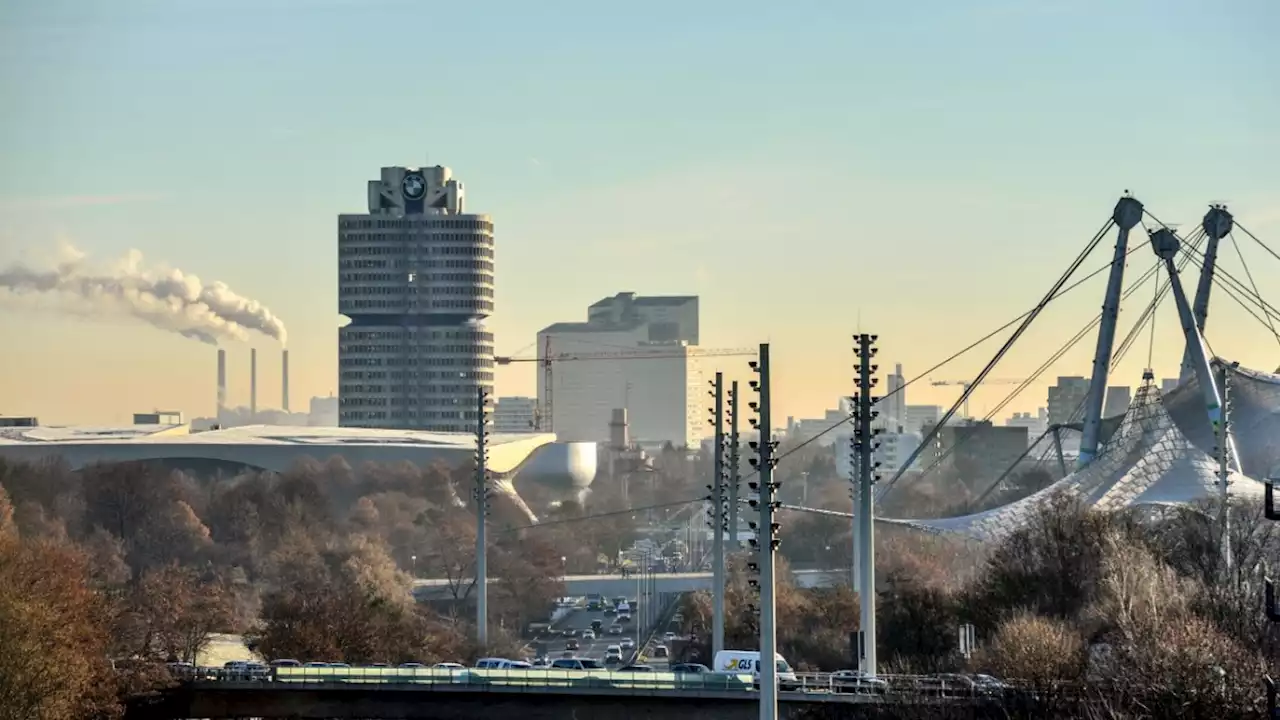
[
  {"x": 284, "y": 386},
  {"x": 253, "y": 385},
  {"x": 619, "y": 437},
  {"x": 222, "y": 382}
]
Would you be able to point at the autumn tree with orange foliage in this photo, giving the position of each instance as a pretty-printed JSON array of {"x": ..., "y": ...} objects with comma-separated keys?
[{"x": 53, "y": 665}]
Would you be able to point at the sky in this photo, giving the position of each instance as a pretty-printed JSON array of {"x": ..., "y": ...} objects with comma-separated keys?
[{"x": 921, "y": 171}]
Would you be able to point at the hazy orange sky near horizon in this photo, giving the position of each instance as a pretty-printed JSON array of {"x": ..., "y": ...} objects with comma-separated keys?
[{"x": 927, "y": 196}]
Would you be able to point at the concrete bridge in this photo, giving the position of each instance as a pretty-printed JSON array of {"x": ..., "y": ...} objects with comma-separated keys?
[
  {"x": 345, "y": 700},
  {"x": 617, "y": 585}
]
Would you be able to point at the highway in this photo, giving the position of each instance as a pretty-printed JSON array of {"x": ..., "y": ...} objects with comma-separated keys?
[{"x": 580, "y": 619}]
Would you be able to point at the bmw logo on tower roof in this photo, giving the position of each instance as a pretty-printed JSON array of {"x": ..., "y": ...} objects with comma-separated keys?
[{"x": 414, "y": 186}]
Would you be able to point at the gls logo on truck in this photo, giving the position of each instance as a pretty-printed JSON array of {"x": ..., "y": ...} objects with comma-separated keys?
[{"x": 739, "y": 664}]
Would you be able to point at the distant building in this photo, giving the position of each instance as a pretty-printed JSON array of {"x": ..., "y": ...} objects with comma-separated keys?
[
  {"x": 979, "y": 451},
  {"x": 415, "y": 279},
  {"x": 1035, "y": 424},
  {"x": 820, "y": 430},
  {"x": 1066, "y": 400},
  {"x": 895, "y": 397},
  {"x": 633, "y": 352},
  {"x": 324, "y": 412},
  {"x": 921, "y": 418},
  {"x": 896, "y": 445},
  {"x": 515, "y": 415},
  {"x": 1118, "y": 399},
  {"x": 159, "y": 417}
]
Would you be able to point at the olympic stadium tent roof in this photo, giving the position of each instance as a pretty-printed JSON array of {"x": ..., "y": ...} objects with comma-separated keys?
[{"x": 1160, "y": 454}]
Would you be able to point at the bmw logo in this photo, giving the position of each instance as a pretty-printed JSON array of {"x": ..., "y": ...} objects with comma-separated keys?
[{"x": 414, "y": 186}]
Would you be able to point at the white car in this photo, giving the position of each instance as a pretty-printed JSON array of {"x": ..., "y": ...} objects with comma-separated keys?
[
  {"x": 669, "y": 637},
  {"x": 628, "y": 644},
  {"x": 588, "y": 634}
]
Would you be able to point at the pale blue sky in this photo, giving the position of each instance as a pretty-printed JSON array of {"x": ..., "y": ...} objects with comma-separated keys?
[{"x": 932, "y": 165}]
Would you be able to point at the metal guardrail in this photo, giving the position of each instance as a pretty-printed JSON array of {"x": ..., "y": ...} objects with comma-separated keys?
[{"x": 883, "y": 687}]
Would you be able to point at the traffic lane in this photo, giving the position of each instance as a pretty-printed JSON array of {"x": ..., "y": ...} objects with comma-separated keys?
[{"x": 580, "y": 620}]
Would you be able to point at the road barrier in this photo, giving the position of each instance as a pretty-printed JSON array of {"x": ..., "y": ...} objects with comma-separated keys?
[{"x": 857, "y": 689}]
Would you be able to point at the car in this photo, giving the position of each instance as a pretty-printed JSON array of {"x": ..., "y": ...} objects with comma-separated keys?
[
  {"x": 571, "y": 645},
  {"x": 661, "y": 651},
  {"x": 669, "y": 637},
  {"x": 624, "y": 617},
  {"x": 615, "y": 629},
  {"x": 569, "y": 632},
  {"x": 412, "y": 666},
  {"x": 447, "y": 666},
  {"x": 613, "y": 651},
  {"x": 690, "y": 668},
  {"x": 573, "y": 663},
  {"x": 285, "y": 662},
  {"x": 635, "y": 668},
  {"x": 610, "y": 610},
  {"x": 588, "y": 634},
  {"x": 856, "y": 681},
  {"x": 597, "y": 625},
  {"x": 628, "y": 644}
]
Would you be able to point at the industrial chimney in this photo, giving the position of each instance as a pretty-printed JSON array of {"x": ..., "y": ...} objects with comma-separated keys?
[
  {"x": 253, "y": 385},
  {"x": 284, "y": 381},
  {"x": 222, "y": 382},
  {"x": 619, "y": 435}
]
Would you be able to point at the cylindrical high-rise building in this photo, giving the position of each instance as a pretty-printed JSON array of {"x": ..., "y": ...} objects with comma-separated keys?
[{"x": 415, "y": 278}]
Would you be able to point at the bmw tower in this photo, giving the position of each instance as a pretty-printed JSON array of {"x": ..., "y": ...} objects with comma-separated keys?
[{"x": 415, "y": 283}]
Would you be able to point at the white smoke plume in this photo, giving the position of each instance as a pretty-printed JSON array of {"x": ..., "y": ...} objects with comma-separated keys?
[{"x": 166, "y": 298}]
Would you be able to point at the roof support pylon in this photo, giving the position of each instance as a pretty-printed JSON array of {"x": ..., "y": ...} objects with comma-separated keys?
[
  {"x": 1127, "y": 213},
  {"x": 1217, "y": 224},
  {"x": 1166, "y": 246}
]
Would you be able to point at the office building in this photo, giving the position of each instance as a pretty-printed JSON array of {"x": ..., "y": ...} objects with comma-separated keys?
[
  {"x": 415, "y": 279},
  {"x": 896, "y": 445},
  {"x": 1036, "y": 424},
  {"x": 979, "y": 452},
  {"x": 921, "y": 418},
  {"x": 1117, "y": 403},
  {"x": 1066, "y": 400},
  {"x": 894, "y": 406},
  {"x": 515, "y": 415},
  {"x": 633, "y": 352}
]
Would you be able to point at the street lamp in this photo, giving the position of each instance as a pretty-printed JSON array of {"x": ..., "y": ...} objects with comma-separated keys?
[{"x": 414, "y": 560}]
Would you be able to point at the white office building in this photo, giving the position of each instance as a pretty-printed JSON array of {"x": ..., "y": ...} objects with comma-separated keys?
[
  {"x": 415, "y": 280},
  {"x": 515, "y": 415},
  {"x": 633, "y": 352},
  {"x": 895, "y": 447}
]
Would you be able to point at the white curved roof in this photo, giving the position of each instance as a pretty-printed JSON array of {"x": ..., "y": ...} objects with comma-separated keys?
[
  {"x": 1155, "y": 457},
  {"x": 268, "y": 447}
]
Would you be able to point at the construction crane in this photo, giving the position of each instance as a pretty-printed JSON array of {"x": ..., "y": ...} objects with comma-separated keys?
[
  {"x": 964, "y": 385},
  {"x": 542, "y": 419}
]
